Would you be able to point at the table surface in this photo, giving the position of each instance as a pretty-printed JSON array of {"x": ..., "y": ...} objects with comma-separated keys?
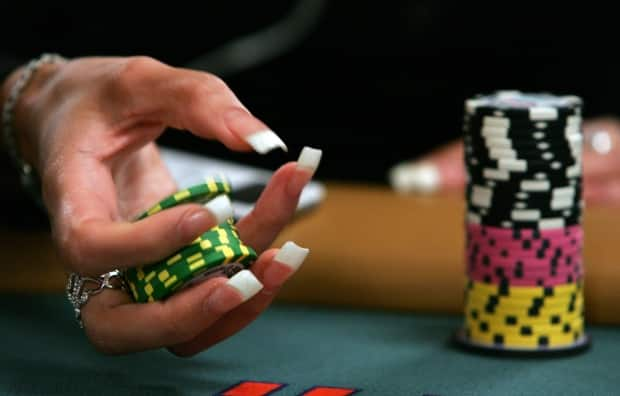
[
  {"x": 377, "y": 352},
  {"x": 370, "y": 249}
]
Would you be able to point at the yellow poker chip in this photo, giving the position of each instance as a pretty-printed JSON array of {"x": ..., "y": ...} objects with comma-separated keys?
[
  {"x": 517, "y": 341},
  {"x": 481, "y": 288}
]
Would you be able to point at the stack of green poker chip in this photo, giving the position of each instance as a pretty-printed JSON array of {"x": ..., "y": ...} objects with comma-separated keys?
[{"x": 217, "y": 251}]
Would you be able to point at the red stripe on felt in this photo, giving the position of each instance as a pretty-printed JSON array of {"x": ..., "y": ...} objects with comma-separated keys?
[
  {"x": 326, "y": 391},
  {"x": 251, "y": 388}
]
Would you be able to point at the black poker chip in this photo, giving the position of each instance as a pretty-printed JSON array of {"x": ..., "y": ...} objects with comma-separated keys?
[{"x": 524, "y": 207}]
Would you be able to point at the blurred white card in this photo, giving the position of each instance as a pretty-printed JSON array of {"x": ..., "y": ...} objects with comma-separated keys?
[{"x": 247, "y": 181}]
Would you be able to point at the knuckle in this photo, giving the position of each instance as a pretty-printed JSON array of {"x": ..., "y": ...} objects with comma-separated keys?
[
  {"x": 267, "y": 223},
  {"x": 194, "y": 93},
  {"x": 197, "y": 90},
  {"x": 176, "y": 330},
  {"x": 214, "y": 82},
  {"x": 131, "y": 70},
  {"x": 99, "y": 340},
  {"x": 73, "y": 246},
  {"x": 100, "y": 343}
]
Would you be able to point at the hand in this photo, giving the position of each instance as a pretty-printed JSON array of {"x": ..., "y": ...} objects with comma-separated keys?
[
  {"x": 443, "y": 169},
  {"x": 88, "y": 126}
]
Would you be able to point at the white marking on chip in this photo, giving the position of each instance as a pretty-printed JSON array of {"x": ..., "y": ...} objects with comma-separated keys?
[
  {"x": 525, "y": 215},
  {"x": 492, "y": 129},
  {"x": 496, "y": 122},
  {"x": 538, "y": 135},
  {"x": 546, "y": 224},
  {"x": 494, "y": 133},
  {"x": 574, "y": 170},
  {"x": 495, "y": 174},
  {"x": 497, "y": 153},
  {"x": 547, "y": 156},
  {"x": 543, "y": 145},
  {"x": 520, "y": 205},
  {"x": 573, "y": 120},
  {"x": 540, "y": 176},
  {"x": 541, "y": 125},
  {"x": 498, "y": 142},
  {"x": 472, "y": 104},
  {"x": 473, "y": 217},
  {"x": 522, "y": 195},
  {"x": 561, "y": 203},
  {"x": 481, "y": 196},
  {"x": 506, "y": 224},
  {"x": 560, "y": 192},
  {"x": 543, "y": 113},
  {"x": 514, "y": 165},
  {"x": 535, "y": 185}
]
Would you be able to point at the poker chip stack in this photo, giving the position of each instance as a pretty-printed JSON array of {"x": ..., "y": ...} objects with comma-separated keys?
[{"x": 524, "y": 235}]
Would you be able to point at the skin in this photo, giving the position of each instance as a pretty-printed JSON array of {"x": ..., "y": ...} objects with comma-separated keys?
[
  {"x": 88, "y": 127},
  {"x": 601, "y": 174}
]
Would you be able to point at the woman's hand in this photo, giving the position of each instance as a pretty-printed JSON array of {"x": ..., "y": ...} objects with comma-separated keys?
[
  {"x": 443, "y": 169},
  {"x": 88, "y": 126}
]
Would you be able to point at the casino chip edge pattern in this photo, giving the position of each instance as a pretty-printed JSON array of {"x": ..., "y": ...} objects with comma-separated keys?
[
  {"x": 218, "y": 251},
  {"x": 509, "y": 122}
]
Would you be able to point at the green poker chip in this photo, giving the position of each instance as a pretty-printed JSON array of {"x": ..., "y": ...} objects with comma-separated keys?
[{"x": 218, "y": 251}]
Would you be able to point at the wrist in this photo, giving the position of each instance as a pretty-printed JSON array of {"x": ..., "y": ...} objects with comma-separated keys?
[
  {"x": 5, "y": 90},
  {"x": 25, "y": 117}
]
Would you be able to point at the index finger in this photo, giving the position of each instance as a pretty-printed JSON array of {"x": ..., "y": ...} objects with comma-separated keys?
[{"x": 190, "y": 100}]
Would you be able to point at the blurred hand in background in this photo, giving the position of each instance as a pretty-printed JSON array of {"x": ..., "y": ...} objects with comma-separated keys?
[{"x": 443, "y": 169}]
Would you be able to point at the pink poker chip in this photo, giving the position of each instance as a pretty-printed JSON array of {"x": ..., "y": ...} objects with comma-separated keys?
[{"x": 520, "y": 234}]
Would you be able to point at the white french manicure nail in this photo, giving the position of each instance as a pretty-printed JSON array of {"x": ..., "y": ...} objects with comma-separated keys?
[
  {"x": 264, "y": 141},
  {"x": 421, "y": 177},
  {"x": 221, "y": 207},
  {"x": 309, "y": 158},
  {"x": 246, "y": 283},
  {"x": 292, "y": 255}
]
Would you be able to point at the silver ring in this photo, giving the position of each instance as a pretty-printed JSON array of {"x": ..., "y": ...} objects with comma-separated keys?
[{"x": 80, "y": 288}]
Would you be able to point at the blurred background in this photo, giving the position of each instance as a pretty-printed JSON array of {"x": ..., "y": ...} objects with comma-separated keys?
[{"x": 372, "y": 83}]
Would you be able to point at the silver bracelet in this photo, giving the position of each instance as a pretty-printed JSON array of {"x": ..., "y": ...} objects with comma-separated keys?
[{"x": 27, "y": 175}]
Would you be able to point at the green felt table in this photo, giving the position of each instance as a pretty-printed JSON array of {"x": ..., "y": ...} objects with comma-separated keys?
[{"x": 377, "y": 352}]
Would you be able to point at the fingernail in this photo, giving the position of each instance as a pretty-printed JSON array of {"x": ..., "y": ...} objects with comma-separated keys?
[
  {"x": 292, "y": 255},
  {"x": 308, "y": 162},
  {"x": 246, "y": 283},
  {"x": 221, "y": 208},
  {"x": 196, "y": 224},
  {"x": 421, "y": 177},
  {"x": 264, "y": 141},
  {"x": 309, "y": 159},
  {"x": 286, "y": 262},
  {"x": 232, "y": 293}
]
